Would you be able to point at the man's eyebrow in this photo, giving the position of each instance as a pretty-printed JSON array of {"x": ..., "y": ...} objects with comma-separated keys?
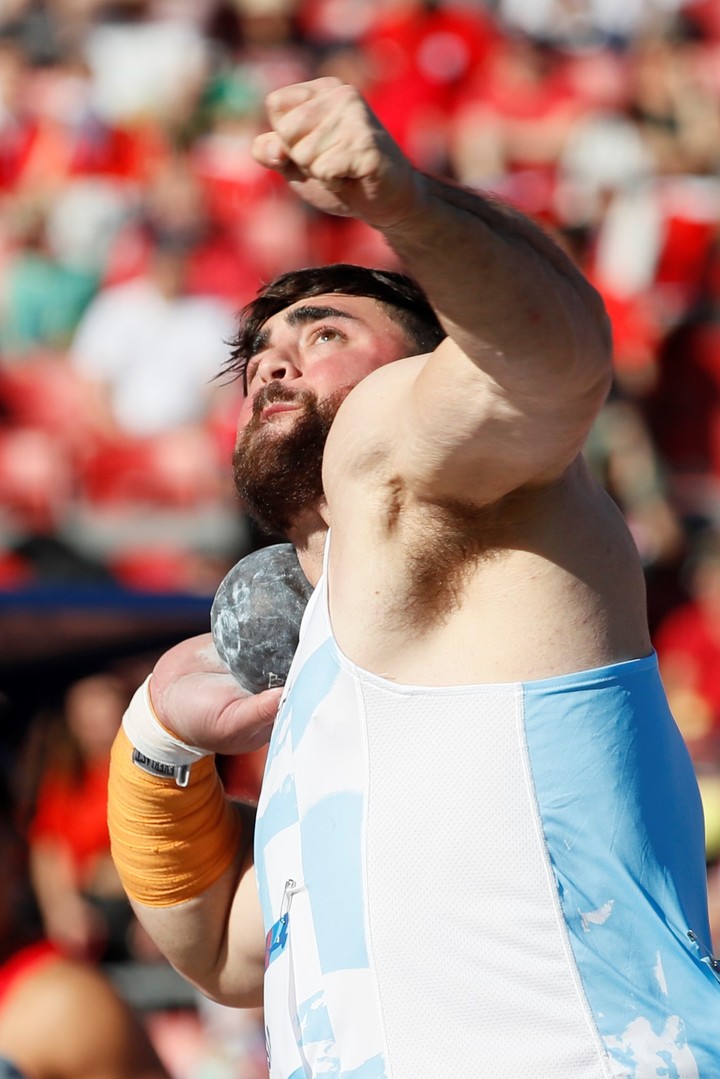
[
  {"x": 312, "y": 313},
  {"x": 298, "y": 316}
]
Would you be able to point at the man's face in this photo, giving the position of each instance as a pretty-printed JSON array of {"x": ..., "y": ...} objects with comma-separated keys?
[{"x": 308, "y": 358}]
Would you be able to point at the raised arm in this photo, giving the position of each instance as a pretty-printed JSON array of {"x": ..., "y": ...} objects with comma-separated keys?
[{"x": 526, "y": 365}]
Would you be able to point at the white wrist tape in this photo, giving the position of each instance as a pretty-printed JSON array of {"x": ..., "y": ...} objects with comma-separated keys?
[{"x": 155, "y": 749}]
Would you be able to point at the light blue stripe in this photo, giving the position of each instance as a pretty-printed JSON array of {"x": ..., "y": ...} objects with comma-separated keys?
[
  {"x": 332, "y": 866},
  {"x": 623, "y": 822},
  {"x": 312, "y": 685},
  {"x": 313, "y": 1020},
  {"x": 280, "y": 812},
  {"x": 374, "y": 1068},
  {"x": 314, "y": 679}
]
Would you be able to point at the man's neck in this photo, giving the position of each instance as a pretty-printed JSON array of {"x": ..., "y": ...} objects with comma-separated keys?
[{"x": 308, "y": 538}]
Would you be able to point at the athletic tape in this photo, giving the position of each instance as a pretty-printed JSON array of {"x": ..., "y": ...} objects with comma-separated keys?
[
  {"x": 155, "y": 749},
  {"x": 169, "y": 844}
]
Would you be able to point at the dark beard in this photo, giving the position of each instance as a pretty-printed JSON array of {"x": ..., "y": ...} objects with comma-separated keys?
[{"x": 278, "y": 476}]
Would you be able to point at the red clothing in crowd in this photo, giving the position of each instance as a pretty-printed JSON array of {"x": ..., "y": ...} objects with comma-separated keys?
[
  {"x": 74, "y": 813},
  {"x": 691, "y": 635},
  {"x": 24, "y": 962},
  {"x": 420, "y": 61}
]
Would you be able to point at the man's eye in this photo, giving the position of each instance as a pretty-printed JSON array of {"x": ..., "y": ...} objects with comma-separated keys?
[{"x": 325, "y": 333}]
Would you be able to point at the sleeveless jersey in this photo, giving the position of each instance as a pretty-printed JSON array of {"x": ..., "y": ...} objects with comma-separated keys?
[{"x": 482, "y": 880}]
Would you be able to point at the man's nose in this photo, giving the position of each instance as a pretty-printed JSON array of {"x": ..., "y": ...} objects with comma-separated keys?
[{"x": 275, "y": 364}]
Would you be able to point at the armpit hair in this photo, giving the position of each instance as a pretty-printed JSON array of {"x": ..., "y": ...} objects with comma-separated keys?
[{"x": 450, "y": 539}]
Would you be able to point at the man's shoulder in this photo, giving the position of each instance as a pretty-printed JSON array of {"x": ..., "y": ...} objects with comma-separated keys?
[
  {"x": 372, "y": 410},
  {"x": 367, "y": 427},
  {"x": 397, "y": 374}
]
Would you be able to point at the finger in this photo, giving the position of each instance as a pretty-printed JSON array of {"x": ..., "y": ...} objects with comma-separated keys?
[
  {"x": 282, "y": 101},
  {"x": 267, "y": 704},
  {"x": 321, "y": 121},
  {"x": 275, "y": 157},
  {"x": 338, "y": 163},
  {"x": 268, "y": 150}
]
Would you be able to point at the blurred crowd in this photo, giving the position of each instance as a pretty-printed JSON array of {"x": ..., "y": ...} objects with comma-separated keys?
[
  {"x": 134, "y": 225},
  {"x": 69, "y": 939}
]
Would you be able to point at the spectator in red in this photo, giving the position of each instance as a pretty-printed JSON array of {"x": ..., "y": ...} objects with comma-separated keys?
[
  {"x": 83, "y": 908},
  {"x": 176, "y": 209},
  {"x": 688, "y": 646},
  {"x": 684, "y": 410},
  {"x": 18, "y": 127},
  {"x": 419, "y": 58},
  {"x": 514, "y": 118}
]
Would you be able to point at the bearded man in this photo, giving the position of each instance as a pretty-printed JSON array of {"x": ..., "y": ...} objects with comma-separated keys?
[
  {"x": 478, "y": 848},
  {"x": 277, "y": 478}
]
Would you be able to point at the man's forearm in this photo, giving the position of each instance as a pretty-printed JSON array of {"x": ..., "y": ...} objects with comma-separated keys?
[
  {"x": 198, "y": 938},
  {"x": 505, "y": 292},
  {"x": 490, "y": 270},
  {"x": 182, "y": 852}
]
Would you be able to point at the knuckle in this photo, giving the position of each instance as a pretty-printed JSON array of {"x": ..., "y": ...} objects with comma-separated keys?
[
  {"x": 327, "y": 170},
  {"x": 349, "y": 103},
  {"x": 273, "y": 100},
  {"x": 347, "y": 90}
]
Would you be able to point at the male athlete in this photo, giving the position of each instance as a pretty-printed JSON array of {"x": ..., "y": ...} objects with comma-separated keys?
[{"x": 479, "y": 844}]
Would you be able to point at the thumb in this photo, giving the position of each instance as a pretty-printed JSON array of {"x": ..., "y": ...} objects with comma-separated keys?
[
  {"x": 248, "y": 722},
  {"x": 267, "y": 703}
]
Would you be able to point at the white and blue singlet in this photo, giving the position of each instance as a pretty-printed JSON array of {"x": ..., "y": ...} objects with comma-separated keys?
[{"x": 496, "y": 881}]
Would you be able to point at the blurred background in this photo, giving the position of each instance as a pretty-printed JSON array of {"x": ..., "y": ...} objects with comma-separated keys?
[{"x": 133, "y": 227}]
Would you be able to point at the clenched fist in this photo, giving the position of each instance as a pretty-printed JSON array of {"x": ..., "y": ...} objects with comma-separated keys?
[{"x": 336, "y": 155}]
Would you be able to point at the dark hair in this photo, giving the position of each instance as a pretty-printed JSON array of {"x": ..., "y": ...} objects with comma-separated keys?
[{"x": 408, "y": 305}]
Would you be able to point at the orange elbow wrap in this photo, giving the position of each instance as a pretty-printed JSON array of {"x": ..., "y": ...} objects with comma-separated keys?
[{"x": 169, "y": 843}]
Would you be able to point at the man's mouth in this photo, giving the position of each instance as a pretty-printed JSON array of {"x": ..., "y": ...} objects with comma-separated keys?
[
  {"x": 274, "y": 399},
  {"x": 277, "y": 407}
]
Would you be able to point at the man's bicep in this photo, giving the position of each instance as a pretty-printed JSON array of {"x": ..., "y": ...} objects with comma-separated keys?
[
  {"x": 444, "y": 427},
  {"x": 474, "y": 433}
]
